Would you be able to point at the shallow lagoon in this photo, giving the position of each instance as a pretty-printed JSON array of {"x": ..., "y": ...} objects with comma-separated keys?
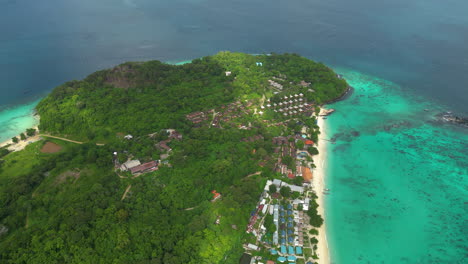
[{"x": 398, "y": 178}]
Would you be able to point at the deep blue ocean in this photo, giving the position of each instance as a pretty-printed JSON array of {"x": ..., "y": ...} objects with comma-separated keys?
[{"x": 419, "y": 46}]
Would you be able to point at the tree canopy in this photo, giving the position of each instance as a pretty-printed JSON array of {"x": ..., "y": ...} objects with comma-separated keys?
[{"x": 74, "y": 206}]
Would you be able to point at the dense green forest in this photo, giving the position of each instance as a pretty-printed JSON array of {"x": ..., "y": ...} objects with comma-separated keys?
[
  {"x": 69, "y": 206},
  {"x": 138, "y": 98}
]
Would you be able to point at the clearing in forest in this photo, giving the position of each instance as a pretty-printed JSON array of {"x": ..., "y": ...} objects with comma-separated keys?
[{"x": 51, "y": 147}]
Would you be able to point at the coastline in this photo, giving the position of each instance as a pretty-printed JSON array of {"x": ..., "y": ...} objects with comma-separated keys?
[
  {"x": 318, "y": 183},
  {"x": 21, "y": 143}
]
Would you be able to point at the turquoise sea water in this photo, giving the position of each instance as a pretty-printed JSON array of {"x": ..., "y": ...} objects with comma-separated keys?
[
  {"x": 16, "y": 119},
  {"x": 398, "y": 178}
]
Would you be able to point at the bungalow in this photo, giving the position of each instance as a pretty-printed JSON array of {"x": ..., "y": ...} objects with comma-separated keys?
[
  {"x": 174, "y": 134},
  {"x": 291, "y": 250},
  {"x": 216, "y": 195},
  {"x": 281, "y": 259},
  {"x": 283, "y": 250},
  {"x": 299, "y": 250},
  {"x": 163, "y": 145}
]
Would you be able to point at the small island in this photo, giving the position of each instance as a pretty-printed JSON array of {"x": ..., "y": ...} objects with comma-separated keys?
[{"x": 213, "y": 161}]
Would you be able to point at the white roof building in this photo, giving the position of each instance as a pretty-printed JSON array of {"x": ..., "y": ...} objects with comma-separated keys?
[
  {"x": 294, "y": 188},
  {"x": 129, "y": 164},
  {"x": 267, "y": 185},
  {"x": 278, "y": 182}
]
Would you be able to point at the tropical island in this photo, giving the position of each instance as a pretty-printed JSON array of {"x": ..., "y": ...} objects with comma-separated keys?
[{"x": 213, "y": 161}]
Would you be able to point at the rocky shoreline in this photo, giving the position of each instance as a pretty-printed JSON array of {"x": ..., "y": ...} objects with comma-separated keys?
[
  {"x": 452, "y": 118},
  {"x": 344, "y": 96}
]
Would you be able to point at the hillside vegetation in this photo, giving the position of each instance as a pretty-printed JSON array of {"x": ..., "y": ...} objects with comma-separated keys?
[
  {"x": 140, "y": 98},
  {"x": 69, "y": 207}
]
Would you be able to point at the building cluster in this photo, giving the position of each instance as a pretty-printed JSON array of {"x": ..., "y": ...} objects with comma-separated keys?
[
  {"x": 290, "y": 105},
  {"x": 228, "y": 112},
  {"x": 173, "y": 135},
  {"x": 289, "y": 221},
  {"x": 135, "y": 166},
  {"x": 285, "y": 147},
  {"x": 198, "y": 117},
  {"x": 275, "y": 84},
  {"x": 224, "y": 113}
]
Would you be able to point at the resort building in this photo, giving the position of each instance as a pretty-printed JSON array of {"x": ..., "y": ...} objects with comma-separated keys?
[
  {"x": 129, "y": 164},
  {"x": 145, "y": 167}
]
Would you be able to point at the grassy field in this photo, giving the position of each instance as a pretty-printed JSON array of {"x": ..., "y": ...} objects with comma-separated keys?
[{"x": 21, "y": 162}]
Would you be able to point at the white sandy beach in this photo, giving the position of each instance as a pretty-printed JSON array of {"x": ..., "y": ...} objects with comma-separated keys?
[
  {"x": 22, "y": 143},
  {"x": 318, "y": 182}
]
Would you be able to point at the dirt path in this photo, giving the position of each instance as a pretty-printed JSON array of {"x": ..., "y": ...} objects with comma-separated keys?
[
  {"x": 126, "y": 191},
  {"x": 68, "y": 140},
  {"x": 256, "y": 173}
]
